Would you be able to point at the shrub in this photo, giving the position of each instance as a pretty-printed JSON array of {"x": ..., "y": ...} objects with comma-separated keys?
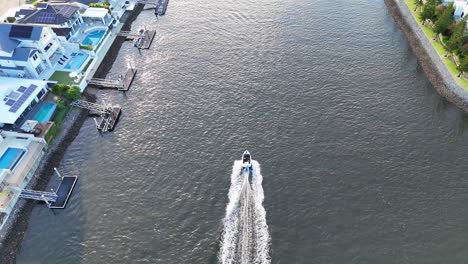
[
  {"x": 73, "y": 93},
  {"x": 60, "y": 89},
  {"x": 36, "y": 2},
  {"x": 86, "y": 47},
  {"x": 56, "y": 89},
  {"x": 61, "y": 105},
  {"x": 11, "y": 19},
  {"x": 104, "y": 5},
  {"x": 464, "y": 49},
  {"x": 63, "y": 88}
]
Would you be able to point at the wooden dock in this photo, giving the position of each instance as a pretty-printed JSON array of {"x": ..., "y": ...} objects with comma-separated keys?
[
  {"x": 109, "y": 119},
  {"x": 109, "y": 115},
  {"x": 147, "y": 39},
  {"x": 121, "y": 84}
]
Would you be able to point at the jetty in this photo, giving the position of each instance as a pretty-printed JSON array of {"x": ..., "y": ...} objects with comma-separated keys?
[
  {"x": 141, "y": 40},
  {"x": 57, "y": 199},
  {"x": 160, "y": 6},
  {"x": 121, "y": 84},
  {"x": 109, "y": 115}
]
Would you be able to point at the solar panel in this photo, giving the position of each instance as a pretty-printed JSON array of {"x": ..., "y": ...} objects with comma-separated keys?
[
  {"x": 67, "y": 11},
  {"x": 10, "y": 102},
  {"x": 46, "y": 18},
  {"x": 21, "y": 89},
  {"x": 20, "y": 32},
  {"x": 41, "y": 5},
  {"x": 16, "y": 105}
]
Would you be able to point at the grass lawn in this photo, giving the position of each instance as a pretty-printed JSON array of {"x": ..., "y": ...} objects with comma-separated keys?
[
  {"x": 438, "y": 47},
  {"x": 62, "y": 77}
]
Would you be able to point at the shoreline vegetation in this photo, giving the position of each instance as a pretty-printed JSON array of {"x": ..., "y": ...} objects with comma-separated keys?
[
  {"x": 446, "y": 35},
  {"x": 67, "y": 129},
  {"x": 431, "y": 61}
]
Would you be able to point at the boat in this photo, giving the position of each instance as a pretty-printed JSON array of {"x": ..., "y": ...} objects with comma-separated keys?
[{"x": 247, "y": 164}]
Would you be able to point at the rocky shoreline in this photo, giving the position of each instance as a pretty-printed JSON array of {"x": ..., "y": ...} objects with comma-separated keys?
[
  {"x": 428, "y": 58},
  {"x": 13, "y": 232}
]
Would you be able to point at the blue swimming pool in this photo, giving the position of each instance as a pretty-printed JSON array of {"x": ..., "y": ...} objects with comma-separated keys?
[
  {"x": 11, "y": 157},
  {"x": 45, "y": 112},
  {"x": 93, "y": 38},
  {"x": 76, "y": 61}
]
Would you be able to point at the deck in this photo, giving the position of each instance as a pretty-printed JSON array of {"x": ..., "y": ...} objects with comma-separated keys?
[
  {"x": 64, "y": 191},
  {"x": 121, "y": 84}
]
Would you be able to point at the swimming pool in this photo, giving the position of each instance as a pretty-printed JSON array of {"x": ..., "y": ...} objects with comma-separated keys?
[
  {"x": 45, "y": 112},
  {"x": 93, "y": 38},
  {"x": 76, "y": 61},
  {"x": 11, "y": 157}
]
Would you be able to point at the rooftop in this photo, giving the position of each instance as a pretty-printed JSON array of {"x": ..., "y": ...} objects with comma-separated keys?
[
  {"x": 55, "y": 14},
  {"x": 15, "y": 97},
  {"x": 11, "y": 36}
]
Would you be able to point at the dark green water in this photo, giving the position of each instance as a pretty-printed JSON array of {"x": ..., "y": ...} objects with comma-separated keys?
[{"x": 362, "y": 161}]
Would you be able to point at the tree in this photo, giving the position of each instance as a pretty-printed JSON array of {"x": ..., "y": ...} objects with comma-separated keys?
[
  {"x": 427, "y": 12},
  {"x": 63, "y": 88},
  {"x": 444, "y": 20},
  {"x": 456, "y": 39},
  {"x": 73, "y": 93},
  {"x": 463, "y": 66}
]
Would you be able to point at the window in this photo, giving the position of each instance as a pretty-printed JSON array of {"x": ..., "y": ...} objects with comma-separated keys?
[
  {"x": 48, "y": 46},
  {"x": 41, "y": 93},
  {"x": 39, "y": 69},
  {"x": 34, "y": 56}
]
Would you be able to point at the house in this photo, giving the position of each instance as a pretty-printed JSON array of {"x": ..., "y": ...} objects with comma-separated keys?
[
  {"x": 27, "y": 51},
  {"x": 64, "y": 19},
  {"x": 20, "y": 155},
  {"x": 17, "y": 99},
  {"x": 461, "y": 7}
]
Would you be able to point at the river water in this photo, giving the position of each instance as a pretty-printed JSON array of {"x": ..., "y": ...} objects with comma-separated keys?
[{"x": 362, "y": 161}]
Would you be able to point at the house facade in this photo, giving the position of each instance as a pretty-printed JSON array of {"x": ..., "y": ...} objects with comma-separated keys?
[
  {"x": 27, "y": 51},
  {"x": 20, "y": 154}
]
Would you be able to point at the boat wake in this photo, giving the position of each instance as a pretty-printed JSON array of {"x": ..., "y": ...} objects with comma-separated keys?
[{"x": 245, "y": 236}]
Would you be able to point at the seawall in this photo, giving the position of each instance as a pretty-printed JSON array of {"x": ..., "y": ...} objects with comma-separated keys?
[{"x": 428, "y": 58}]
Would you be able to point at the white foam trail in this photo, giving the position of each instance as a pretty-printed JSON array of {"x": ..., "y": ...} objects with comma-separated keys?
[{"x": 245, "y": 236}]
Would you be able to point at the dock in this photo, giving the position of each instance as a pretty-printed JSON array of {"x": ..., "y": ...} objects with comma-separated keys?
[
  {"x": 109, "y": 120},
  {"x": 161, "y": 7},
  {"x": 142, "y": 40},
  {"x": 109, "y": 115},
  {"x": 121, "y": 84},
  {"x": 57, "y": 199},
  {"x": 63, "y": 192},
  {"x": 147, "y": 39}
]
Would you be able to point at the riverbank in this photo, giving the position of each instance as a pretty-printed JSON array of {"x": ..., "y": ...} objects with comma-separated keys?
[
  {"x": 428, "y": 58},
  {"x": 12, "y": 233}
]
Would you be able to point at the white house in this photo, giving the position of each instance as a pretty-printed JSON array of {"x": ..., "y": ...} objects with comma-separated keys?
[
  {"x": 27, "y": 51},
  {"x": 20, "y": 155},
  {"x": 18, "y": 97},
  {"x": 64, "y": 19}
]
